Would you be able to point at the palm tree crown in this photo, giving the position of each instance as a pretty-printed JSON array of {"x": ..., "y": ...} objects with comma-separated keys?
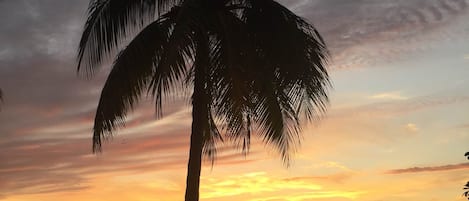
[{"x": 251, "y": 63}]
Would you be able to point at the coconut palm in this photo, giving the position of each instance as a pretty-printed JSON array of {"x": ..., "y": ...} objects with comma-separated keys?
[
  {"x": 466, "y": 190},
  {"x": 253, "y": 65},
  {"x": 1, "y": 96},
  {"x": 466, "y": 187}
]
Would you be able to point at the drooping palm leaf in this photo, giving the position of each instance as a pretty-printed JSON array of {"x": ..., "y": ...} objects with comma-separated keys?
[
  {"x": 172, "y": 66},
  {"x": 466, "y": 188},
  {"x": 1, "y": 96},
  {"x": 293, "y": 80},
  {"x": 129, "y": 77},
  {"x": 108, "y": 24},
  {"x": 230, "y": 79}
]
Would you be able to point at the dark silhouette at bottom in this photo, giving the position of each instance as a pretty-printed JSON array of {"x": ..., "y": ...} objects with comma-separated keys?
[{"x": 466, "y": 187}]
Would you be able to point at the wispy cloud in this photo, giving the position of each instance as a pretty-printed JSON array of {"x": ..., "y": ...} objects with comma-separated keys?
[
  {"x": 387, "y": 108},
  {"x": 259, "y": 186},
  {"x": 351, "y": 195},
  {"x": 366, "y": 32},
  {"x": 332, "y": 164},
  {"x": 46, "y": 165},
  {"x": 389, "y": 96},
  {"x": 334, "y": 178},
  {"x": 429, "y": 169},
  {"x": 411, "y": 128}
]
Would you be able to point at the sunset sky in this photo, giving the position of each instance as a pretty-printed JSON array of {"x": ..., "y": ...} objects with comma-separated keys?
[{"x": 396, "y": 129}]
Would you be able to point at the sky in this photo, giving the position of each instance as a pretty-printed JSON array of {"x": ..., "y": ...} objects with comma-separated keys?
[{"x": 396, "y": 129}]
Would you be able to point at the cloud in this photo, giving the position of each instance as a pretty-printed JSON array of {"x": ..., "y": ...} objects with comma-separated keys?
[
  {"x": 346, "y": 195},
  {"x": 368, "y": 32},
  {"x": 399, "y": 107},
  {"x": 332, "y": 164},
  {"x": 429, "y": 169},
  {"x": 411, "y": 127},
  {"x": 389, "y": 96},
  {"x": 49, "y": 27},
  {"x": 260, "y": 186},
  {"x": 65, "y": 164},
  {"x": 349, "y": 129},
  {"x": 334, "y": 178}
]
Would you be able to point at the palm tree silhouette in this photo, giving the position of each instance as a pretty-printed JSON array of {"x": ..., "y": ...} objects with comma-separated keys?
[
  {"x": 250, "y": 63},
  {"x": 1, "y": 96},
  {"x": 466, "y": 187},
  {"x": 466, "y": 192}
]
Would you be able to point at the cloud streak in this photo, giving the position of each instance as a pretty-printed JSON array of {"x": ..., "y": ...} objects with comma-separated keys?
[
  {"x": 367, "y": 32},
  {"x": 404, "y": 106},
  {"x": 429, "y": 169},
  {"x": 50, "y": 165},
  {"x": 259, "y": 186}
]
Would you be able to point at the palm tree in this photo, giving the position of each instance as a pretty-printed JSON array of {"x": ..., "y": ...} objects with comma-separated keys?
[
  {"x": 1, "y": 96},
  {"x": 466, "y": 192},
  {"x": 466, "y": 187},
  {"x": 249, "y": 62}
]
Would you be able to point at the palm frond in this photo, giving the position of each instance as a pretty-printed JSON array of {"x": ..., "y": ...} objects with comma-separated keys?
[
  {"x": 178, "y": 52},
  {"x": 109, "y": 22},
  {"x": 278, "y": 121},
  {"x": 129, "y": 77},
  {"x": 269, "y": 72},
  {"x": 466, "y": 193},
  {"x": 1, "y": 97},
  {"x": 292, "y": 78},
  {"x": 201, "y": 99},
  {"x": 212, "y": 136},
  {"x": 230, "y": 79}
]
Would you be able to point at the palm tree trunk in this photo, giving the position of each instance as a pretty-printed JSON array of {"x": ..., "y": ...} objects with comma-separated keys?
[
  {"x": 195, "y": 155},
  {"x": 200, "y": 110}
]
